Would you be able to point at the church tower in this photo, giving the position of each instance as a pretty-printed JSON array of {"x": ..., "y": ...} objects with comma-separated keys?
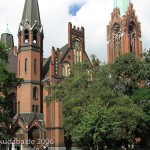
[
  {"x": 28, "y": 123},
  {"x": 30, "y": 54},
  {"x": 123, "y": 31}
]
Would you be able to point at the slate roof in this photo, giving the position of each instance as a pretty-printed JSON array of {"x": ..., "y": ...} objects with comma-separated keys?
[
  {"x": 12, "y": 62},
  {"x": 31, "y": 13},
  {"x": 46, "y": 68},
  {"x": 7, "y": 31},
  {"x": 63, "y": 51},
  {"x": 29, "y": 117}
]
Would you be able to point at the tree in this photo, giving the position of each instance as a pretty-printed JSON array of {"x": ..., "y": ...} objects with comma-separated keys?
[
  {"x": 8, "y": 83},
  {"x": 132, "y": 77},
  {"x": 93, "y": 113},
  {"x": 107, "y": 125},
  {"x": 141, "y": 97},
  {"x": 127, "y": 72}
]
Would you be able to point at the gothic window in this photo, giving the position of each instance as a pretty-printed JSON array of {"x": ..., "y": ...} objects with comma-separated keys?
[
  {"x": 77, "y": 50},
  {"x": 35, "y": 36},
  {"x": 35, "y": 93},
  {"x": 26, "y": 65},
  {"x": 35, "y": 66},
  {"x": 35, "y": 108},
  {"x": 131, "y": 34},
  {"x": 77, "y": 44},
  {"x": 117, "y": 39},
  {"x": 65, "y": 69},
  {"x": 26, "y": 36}
]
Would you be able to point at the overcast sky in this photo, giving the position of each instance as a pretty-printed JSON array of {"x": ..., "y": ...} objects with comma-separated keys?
[{"x": 93, "y": 15}]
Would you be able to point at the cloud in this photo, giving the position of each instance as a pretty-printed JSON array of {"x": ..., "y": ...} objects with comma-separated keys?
[
  {"x": 94, "y": 16},
  {"x": 74, "y": 8}
]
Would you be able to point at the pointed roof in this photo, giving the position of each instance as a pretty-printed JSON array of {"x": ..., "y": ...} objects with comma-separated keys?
[
  {"x": 31, "y": 13},
  {"x": 122, "y": 5},
  {"x": 7, "y": 31}
]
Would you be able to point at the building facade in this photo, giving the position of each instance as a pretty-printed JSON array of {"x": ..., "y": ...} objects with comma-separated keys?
[
  {"x": 33, "y": 119},
  {"x": 123, "y": 31}
]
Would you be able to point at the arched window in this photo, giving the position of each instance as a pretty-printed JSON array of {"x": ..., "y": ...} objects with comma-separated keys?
[
  {"x": 26, "y": 36},
  {"x": 77, "y": 50},
  {"x": 35, "y": 36},
  {"x": 35, "y": 66},
  {"x": 117, "y": 39},
  {"x": 26, "y": 65},
  {"x": 131, "y": 34},
  {"x": 35, "y": 93},
  {"x": 65, "y": 69}
]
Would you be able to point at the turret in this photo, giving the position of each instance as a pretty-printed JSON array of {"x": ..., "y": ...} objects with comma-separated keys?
[{"x": 7, "y": 38}]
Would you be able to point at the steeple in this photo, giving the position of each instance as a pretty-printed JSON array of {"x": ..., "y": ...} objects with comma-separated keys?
[
  {"x": 7, "y": 38},
  {"x": 122, "y": 5},
  {"x": 7, "y": 31},
  {"x": 31, "y": 14}
]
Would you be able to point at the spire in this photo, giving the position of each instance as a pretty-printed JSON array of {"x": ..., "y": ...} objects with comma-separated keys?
[
  {"x": 7, "y": 31},
  {"x": 7, "y": 38},
  {"x": 122, "y": 5},
  {"x": 31, "y": 13}
]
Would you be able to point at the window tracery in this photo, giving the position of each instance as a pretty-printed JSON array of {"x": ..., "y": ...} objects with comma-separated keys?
[
  {"x": 132, "y": 35},
  {"x": 77, "y": 47},
  {"x": 66, "y": 69},
  {"x": 117, "y": 39}
]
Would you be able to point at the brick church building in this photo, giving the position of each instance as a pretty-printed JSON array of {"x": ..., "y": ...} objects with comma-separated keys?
[{"x": 33, "y": 118}]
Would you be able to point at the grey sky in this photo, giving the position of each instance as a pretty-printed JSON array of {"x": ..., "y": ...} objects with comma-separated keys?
[{"x": 94, "y": 16}]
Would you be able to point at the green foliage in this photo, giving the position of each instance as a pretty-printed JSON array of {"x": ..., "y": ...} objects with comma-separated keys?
[
  {"x": 141, "y": 97},
  {"x": 127, "y": 75},
  {"x": 104, "y": 103},
  {"x": 8, "y": 82},
  {"x": 3, "y": 52}
]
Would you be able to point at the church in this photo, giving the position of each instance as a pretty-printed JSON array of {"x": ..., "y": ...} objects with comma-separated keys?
[{"x": 33, "y": 119}]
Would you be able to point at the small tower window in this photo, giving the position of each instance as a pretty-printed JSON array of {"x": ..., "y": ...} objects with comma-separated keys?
[
  {"x": 35, "y": 93},
  {"x": 35, "y": 36},
  {"x": 26, "y": 65},
  {"x": 117, "y": 39},
  {"x": 34, "y": 66},
  {"x": 26, "y": 36},
  {"x": 37, "y": 108}
]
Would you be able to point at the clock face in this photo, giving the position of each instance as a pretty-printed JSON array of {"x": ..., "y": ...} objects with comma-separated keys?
[{"x": 77, "y": 45}]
